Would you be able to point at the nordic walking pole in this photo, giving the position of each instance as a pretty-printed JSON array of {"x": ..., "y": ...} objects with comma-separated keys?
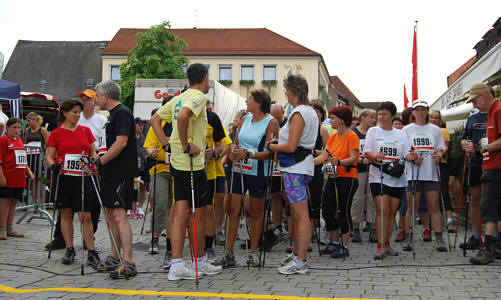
[
  {"x": 242, "y": 207},
  {"x": 460, "y": 200},
  {"x": 467, "y": 206},
  {"x": 82, "y": 220},
  {"x": 413, "y": 207},
  {"x": 267, "y": 203},
  {"x": 145, "y": 213},
  {"x": 337, "y": 199},
  {"x": 86, "y": 169},
  {"x": 54, "y": 209},
  {"x": 443, "y": 210},
  {"x": 153, "y": 203},
  {"x": 227, "y": 217},
  {"x": 382, "y": 209},
  {"x": 193, "y": 217}
]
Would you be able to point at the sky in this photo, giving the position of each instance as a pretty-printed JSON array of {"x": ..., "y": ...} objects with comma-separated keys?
[{"x": 368, "y": 44}]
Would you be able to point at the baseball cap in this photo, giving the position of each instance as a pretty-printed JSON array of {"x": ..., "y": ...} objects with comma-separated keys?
[
  {"x": 420, "y": 103},
  {"x": 476, "y": 90},
  {"x": 89, "y": 93},
  {"x": 138, "y": 120}
]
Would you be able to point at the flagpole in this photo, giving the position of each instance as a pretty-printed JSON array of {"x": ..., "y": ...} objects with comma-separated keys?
[{"x": 417, "y": 68}]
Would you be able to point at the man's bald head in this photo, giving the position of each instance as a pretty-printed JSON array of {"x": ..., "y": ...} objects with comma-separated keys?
[{"x": 277, "y": 112}]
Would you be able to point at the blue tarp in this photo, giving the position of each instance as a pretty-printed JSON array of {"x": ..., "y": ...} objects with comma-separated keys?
[{"x": 9, "y": 90}]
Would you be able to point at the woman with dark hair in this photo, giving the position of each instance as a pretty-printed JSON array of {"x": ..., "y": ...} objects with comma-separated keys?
[
  {"x": 424, "y": 150},
  {"x": 295, "y": 148},
  {"x": 13, "y": 171},
  {"x": 64, "y": 151},
  {"x": 384, "y": 145},
  {"x": 342, "y": 153},
  {"x": 250, "y": 158}
]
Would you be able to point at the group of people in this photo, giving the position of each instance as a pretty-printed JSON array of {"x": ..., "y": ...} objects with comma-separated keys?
[{"x": 204, "y": 179}]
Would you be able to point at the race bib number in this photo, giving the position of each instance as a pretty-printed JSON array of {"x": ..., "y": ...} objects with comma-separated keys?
[
  {"x": 21, "y": 159},
  {"x": 484, "y": 141},
  {"x": 101, "y": 142},
  {"x": 423, "y": 143},
  {"x": 330, "y": 170},
  {"x": 246, "y": 164},
  {"x": 33, "y": 147},
  {"x": 391, "y": 150},
  {"x": 72, "y": 164},
  {"x": 361, "y": 149},
  {"x": 276, "y": 172},
  {"x": 167, "y": 159}
]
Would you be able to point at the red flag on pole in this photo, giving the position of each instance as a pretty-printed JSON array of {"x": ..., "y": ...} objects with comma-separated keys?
[
  {"x": 414, "y": 66},
  {"x": 406, "y": 100}
]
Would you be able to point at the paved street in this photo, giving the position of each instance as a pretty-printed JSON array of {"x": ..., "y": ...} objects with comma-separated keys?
[{"x": 433, "y": 275}]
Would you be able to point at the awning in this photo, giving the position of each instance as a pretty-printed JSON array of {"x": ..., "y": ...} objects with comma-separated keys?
[
  {"x": 481, "y": 70},
  {"x": 460, "y": 112}
]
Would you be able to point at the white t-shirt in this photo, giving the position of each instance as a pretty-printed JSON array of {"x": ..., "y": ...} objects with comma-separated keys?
[
  {"x": 307, "y": 139},
  {"x": 3, "y": 119},
  {"x": 393, "y": 143},
  {"x": 96, "y": 124},
  {"x": 426, "y": 140}
]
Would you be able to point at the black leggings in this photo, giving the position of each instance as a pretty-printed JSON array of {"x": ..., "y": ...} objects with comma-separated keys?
[{"x": 346, "y": 188}]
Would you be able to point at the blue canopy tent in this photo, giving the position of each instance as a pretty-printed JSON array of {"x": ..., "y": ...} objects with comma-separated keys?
[{"x": 11, "y": 92}]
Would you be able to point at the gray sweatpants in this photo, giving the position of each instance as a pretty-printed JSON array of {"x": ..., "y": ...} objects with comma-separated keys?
[{"x": 162, "y": 199}]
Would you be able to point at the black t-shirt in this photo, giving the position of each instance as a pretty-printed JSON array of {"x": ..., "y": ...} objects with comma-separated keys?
[
  {"x": 361, "y": 136},
  {"x": 121, "y": 122},
  {"x": 217, "y": 127}
]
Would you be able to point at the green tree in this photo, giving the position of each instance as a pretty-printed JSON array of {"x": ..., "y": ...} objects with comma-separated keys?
[{"x": 157, "y": 54}]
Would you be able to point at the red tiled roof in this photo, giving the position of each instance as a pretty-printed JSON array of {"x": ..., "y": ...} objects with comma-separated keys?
[
  {"x": 456, "y": 74},
  {"x": 343, "y": 89},
  {"x": 213, "y": 42}
]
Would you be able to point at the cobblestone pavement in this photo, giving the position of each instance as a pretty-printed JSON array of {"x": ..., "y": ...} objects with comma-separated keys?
[{"x": 432, "y": 275}]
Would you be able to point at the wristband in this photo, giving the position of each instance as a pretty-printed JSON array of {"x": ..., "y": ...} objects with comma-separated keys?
[
  {"x": 165, "y": 146},
  {"x": 338, "y": 162}
]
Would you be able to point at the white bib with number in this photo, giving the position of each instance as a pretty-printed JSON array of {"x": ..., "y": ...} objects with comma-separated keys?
[
  {"x": 33, "y": 147},
  {"x": 246, "y": 164},
  {"x": 101, "y": 147},
  {"x": 361, "y": 149},
  {"x": 391, "y": 150},
  {"x": 72, "y": 164},
  {"x": 276, "y": 172},
  {"x": 423, "y": 143},
  {"x": 167, "y": 159},
  {"x": 330, "y": 170},
  {"x": 21, "y": 159},
  {"x": 485, "y": 142}
]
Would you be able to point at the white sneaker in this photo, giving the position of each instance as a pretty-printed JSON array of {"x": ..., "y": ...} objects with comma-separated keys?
[
  {"x": 183, "y": 272},
  {"x": 140, "y": 211},
  {"x": 210, "y": 269},
  {"x": 293, "y": 268},
  {"x": 285, "y": 261}
]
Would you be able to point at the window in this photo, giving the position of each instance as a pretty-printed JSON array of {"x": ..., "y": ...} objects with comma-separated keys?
[
  {"x": 225, "y": 72},
  {"x": 115, "y": 73},
  {"x": 247, "y": 72},
  {"x": 269, "y": 72}
]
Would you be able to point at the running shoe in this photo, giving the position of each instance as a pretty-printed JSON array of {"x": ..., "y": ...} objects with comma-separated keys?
[
  {"x": 293, "y": 268},
  {"x": 289, "y": 247},
  {"x": 93, "y": 259},
  {"x": 253, "y": 259},
  {"x": 472, "y": 244},
  {"x": 440, "y": 245},
  {"x": 373, "y": 236},
  {"x": 210, "y": 269},
  {"x": 220, "y": 239},
  {"x": 379, "y": 253},
  {"x": 482, "y": 257},
  {"x": 427, "y": 235},
  {"x": 3, "y": 234},
  {"x": 140, "y": 212},
  {"x": 211, "y": 255},
  {"x": 56, "y": 244},
  {"x": 408, "y": 245},
  {"x": 69, "y": 257},
  {"x": 496, "y": 250},
  {"x": 183, "y": 272},
  {"x": 153, "y": 246},
  {"x": 329, "y": 249},
  {"x": 126, "y": 271},
  {"x": 167, "y": 259},
  {"x": 14, "y": 233},
  {"x": 357, "y": 237},
  {"x": 270, "y": 240},
  {"x": 340, "y": 252},
  {"x": 110, "y": 263},
  {"x": 400, "y": 236},
  {"x": 389, "y": 251},
  {"x": 286, "y": 260},
  {"x": 228, "y": 260}
]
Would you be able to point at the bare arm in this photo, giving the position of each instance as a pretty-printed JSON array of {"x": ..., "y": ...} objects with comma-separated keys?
[
  {"x": 183, "y": 120},
  {"x": 156, "y": 124},
  {"x": 272, "y": 129},
  {"x": 51, "y": 156},
  {"x": 45, "y": 135},
  {"x": 296, "y": 126}
]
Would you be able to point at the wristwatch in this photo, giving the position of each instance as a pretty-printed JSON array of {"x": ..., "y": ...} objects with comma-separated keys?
[
  {"x": 246, "y": 153},
  {"x": 338, "y": 162},
  {"x": 187, "y": 149},
  {"x": 166, "y": 146}
]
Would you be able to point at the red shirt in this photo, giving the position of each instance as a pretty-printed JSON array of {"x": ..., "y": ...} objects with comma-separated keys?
[
  {"x": 13, "y": 160},
  {"x": 493, "y": 132},
  {"x": 69, "y": 145}
]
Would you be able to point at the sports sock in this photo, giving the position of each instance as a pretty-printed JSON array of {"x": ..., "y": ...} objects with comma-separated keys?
[
  {"x": 177, "y": 263},
  {"x": 169, "y": 247},
  {"x": 209, "y": 240},
  {"x": 476, "y": 233},
  {"x": 488, "y": 241},
  {"x": 438, "y": 235},
  {"x": 300, "y": 262}
]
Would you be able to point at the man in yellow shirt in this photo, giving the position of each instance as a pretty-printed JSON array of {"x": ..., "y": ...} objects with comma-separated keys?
[{"x": 189, "y": 125}]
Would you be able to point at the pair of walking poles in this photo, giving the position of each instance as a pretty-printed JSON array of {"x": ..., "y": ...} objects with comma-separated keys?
[{"x": 85, "y": 170}]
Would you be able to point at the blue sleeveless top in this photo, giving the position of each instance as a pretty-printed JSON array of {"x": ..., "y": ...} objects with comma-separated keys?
[{"x": 252, "y": 136}]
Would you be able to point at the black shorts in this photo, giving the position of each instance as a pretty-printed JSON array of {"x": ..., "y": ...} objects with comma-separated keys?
[
  {"x": 475, "y": 175},
  {"x": 276, "y": 184},
  {"x": 11, "y": 193},
  {"x": 182, "y": 187},
  {"x": 256, "y": 185},
  {"x": 117, "y": 192},
  {"x": 145, "y": 176},
  {"x": 424, "y": 186},
  {"x": 69, "y": 193},
  {"x": 490, "y": 204},
  {"x": 211, "y": 188},
  {"x": 394, "y": 192},
  {"x": 220, "y": 181}
]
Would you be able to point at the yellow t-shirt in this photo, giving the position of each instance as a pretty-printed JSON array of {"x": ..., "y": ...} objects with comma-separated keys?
[
  {"x": 194, "y": 100},
  {"x": 447, "y": 138},
  {"x": 219, "y": 164},
  {"x": 215, "y": 132},
  {"x": 150, "y": 142}
]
